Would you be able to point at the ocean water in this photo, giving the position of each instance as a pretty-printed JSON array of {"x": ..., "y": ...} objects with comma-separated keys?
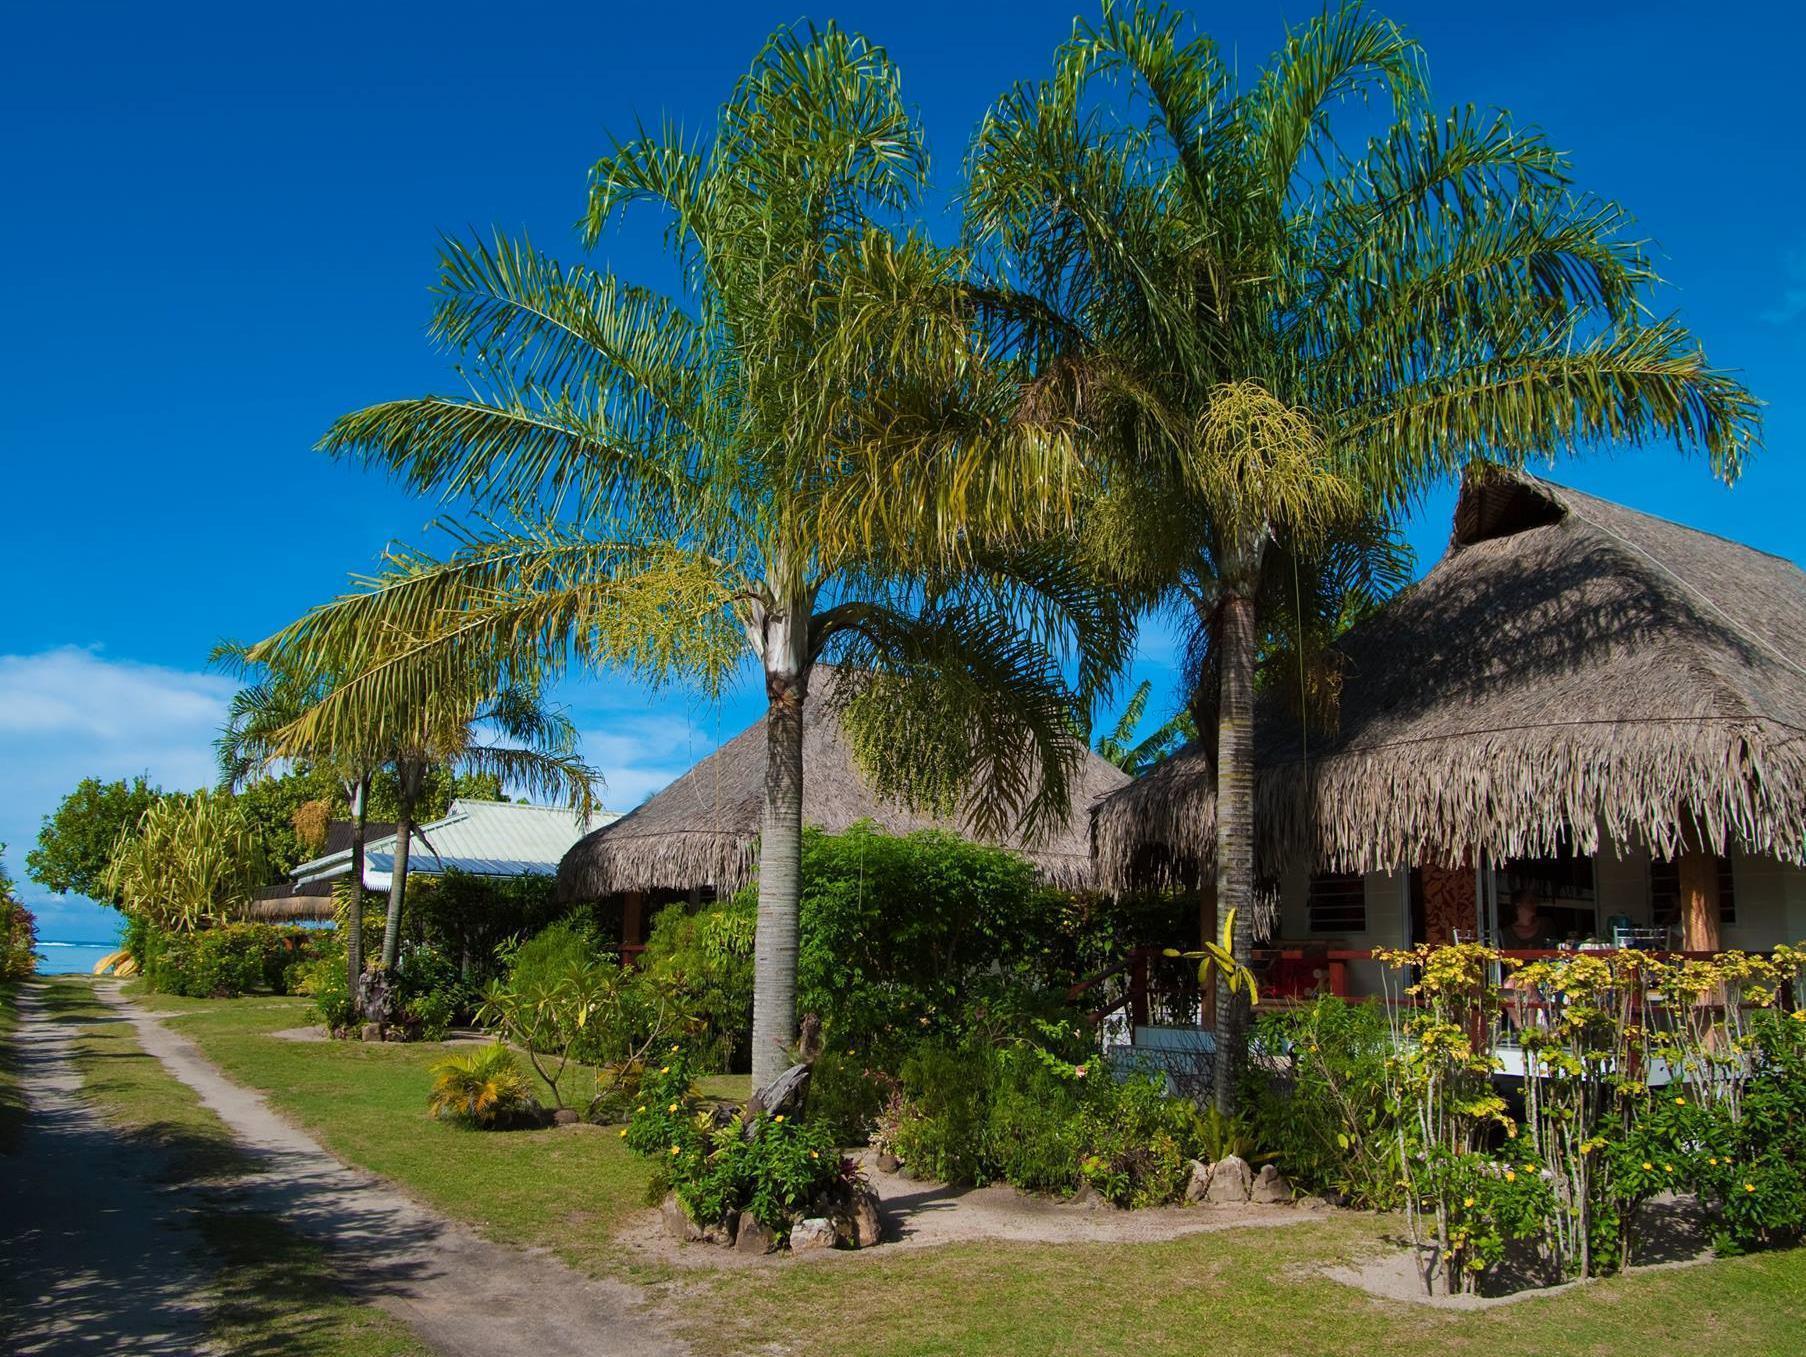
[{"x": 70, "y": 958}]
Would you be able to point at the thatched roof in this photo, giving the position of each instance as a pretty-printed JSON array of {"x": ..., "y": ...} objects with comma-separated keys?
[
  {"x": 703, "y": 829},
  {"x": 1570, "y": 668},
  {"x": 289, "y": 902}
]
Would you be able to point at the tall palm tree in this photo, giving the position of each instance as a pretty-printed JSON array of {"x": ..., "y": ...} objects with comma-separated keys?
[
  {"x": 258, "y": 717},
  {"x": 1270, "y": 330},
  {"x": 1135, "y": 757},
  {"x": 808, "y": 453}
]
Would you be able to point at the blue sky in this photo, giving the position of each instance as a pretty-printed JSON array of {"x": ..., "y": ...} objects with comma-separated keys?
[{"x": 220, "y": 229}]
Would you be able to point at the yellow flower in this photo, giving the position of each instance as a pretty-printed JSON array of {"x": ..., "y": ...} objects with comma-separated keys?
[
  {"x": 1667, "y": 1168},
  {"x": 623, "y": 1133},
  {"x": 1648, "y": 1165},
  {"x": 672, "y": 1108},
  {"x": 1511, "y": 1133},
  {"x": 1530, "y": 1168},
  {"x": 1511, "y": 1175},
  {"x": 814, "y": 1155},
  {"x": 664, "y": 1069},
  {"x": 1467, "y": 1201},
  {"x": 1749, "y": 1187},
  {"x": 641, "y": 1108},
  {"x": 779, "y": 1117},
  {"x": 676, "y": 1149},
  {"x": 1713, "y": 1161},
  {"x": 676, "y": 1049},
  {"x": 1680, "y": 1102}
]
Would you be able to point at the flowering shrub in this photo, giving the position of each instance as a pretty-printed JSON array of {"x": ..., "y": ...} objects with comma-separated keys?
[
  {"x": 1643, "y": 1074},
  {"x": 773, "y": 1168}
]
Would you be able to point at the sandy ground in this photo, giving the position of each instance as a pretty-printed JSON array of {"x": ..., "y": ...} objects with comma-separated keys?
[
  {"x": 460, "y": 1293},
  {"x": 928, "y": 1215},
  {"x": 95, "y": 1255}
]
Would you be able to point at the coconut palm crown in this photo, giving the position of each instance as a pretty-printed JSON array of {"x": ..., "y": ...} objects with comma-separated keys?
[
  {"x": 1269, "y": 325},
  {"x": 807, "y": 453}
]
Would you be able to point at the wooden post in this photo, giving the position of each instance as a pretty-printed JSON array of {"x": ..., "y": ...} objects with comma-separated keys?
[
  {"x": 633, "y": 919},
  {"x": 1698, "y": 872},
  {"x": 1138, "y": 990}
]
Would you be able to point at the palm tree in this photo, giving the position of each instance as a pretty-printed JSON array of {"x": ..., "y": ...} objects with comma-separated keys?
[
  {"x": 257, "y": 719},
  {"x": 279, "y": 719},
  {"x": 807, "y": 454},
  {"x": 1270, "y": 331},
  {"x": 1136, "y": 757}
]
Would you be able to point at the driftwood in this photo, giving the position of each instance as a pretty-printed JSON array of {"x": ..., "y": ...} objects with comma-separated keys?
[{"x": 783, "y": 1095}]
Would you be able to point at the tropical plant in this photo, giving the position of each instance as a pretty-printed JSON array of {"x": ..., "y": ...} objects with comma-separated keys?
[
  {"x": 1136, "y": 757},
  {"x": 484, "y": 1089},
  {"x": 191, "y": 861},
  {"x": 1219, "y": 958},
  {"x": 806, "y": 455},
  {"x": 18, "y": 931},
  {"x": 1272, "y": 330}
]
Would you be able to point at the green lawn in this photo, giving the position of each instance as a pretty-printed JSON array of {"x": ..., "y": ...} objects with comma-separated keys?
[
  {"x": 12, "y": 1101},
  {"x": 273, "y": 1292},
  {"x": 1241, "y": 1292}
]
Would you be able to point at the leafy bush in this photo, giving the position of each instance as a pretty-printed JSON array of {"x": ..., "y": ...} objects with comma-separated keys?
[
  {"x": 1751, "y": 1160},
  {"x": 774, "y": 1168},
  {"x": 1326, "y": 1115},
  {"x": 845, "y": 1096},
  {"x": 325, "y": 981},
  {"x": 1137, "y": 1141},
  {"x": 483, "y": 1089},
  {"x": 1034, "y": 1138},
  {"x": 936, "y": 1120},
  {"x": 707, "y": 958},
  {"x": 472, "y": 920},
  {"x": 221, "y": 962},
  {"x": 18, "y": 933},
  {"x": 562, "y": 1002}
]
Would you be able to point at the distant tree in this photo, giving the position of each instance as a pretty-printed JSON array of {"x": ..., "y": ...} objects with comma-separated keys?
[
  {"x": 271, "y": 805},
  {"x": 76, "y": 840}
]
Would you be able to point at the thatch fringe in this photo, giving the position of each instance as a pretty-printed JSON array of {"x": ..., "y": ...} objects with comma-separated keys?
[{"x": 1512, "y": 794}]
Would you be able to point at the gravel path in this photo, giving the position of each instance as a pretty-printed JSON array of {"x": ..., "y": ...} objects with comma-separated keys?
[
  {"x": 95, "y": 1255},
  {"x": 460, "y": 1293}
]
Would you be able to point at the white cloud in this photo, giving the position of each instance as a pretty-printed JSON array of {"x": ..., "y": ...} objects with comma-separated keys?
[{"x": 71, "y": 713}]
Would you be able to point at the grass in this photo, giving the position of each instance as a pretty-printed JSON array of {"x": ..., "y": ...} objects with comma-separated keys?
[
  {"x": 12, "y": 1098},
  {"x": 273, "y": 1292},
  {"x": 1236, "y": 1292}
]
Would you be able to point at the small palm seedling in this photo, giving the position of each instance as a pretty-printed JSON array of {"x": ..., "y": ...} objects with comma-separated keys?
[{"x": 484, "y": 1089}]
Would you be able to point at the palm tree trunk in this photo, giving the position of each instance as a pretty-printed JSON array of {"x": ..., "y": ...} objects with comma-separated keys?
[
  {"x": 408, "y": 775},
  {"x": 1235, "y": 827},
  {"x": 354, "y": 922},
  {"x": 774, "y": 1031}
]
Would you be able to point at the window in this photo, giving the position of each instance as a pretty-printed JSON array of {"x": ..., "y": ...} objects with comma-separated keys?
[
  {"x": 1665, "y": 891},
  {"x": 1338, "y": 903}
]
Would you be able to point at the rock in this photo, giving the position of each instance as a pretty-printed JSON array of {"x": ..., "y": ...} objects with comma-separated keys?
[
  {"x": 372, "y": 1031},
  {"x": 564, "y": 1116},
  {"x": 752, "y": 1237},
  {"x": 686, "y": 1231},
  {"x": 1270, "y": 1188},
  {"x": 1231, "y": 1180},
  {"x": 858, "y": 1223},
  {"x": 806, "y": 1236},
  {"x": 1197, "y": 1188},
  {"x": 887, "y": 1162},
  {"x": 1088, "y": 1197}
]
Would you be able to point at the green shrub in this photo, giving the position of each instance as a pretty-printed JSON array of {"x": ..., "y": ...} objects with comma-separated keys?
[
  {"x": 936, "y": 1120},
  {"x": 1750, "y": 1159},
  {"x": 324, "y": 981},
  {"x": 1327, "y": 1116},
  {"x": 484, "y": 1089},
  {"x": 845, "y": 1096},
  {"x": 222, "y": 962},
  {"x": 1034, "y": 1137},
  {"x": 706, "y": 958},
  {"x": 18, "y": 937},
  {"x": 773, "y": 1169},
  {"x": 1137, "y": 1141}
]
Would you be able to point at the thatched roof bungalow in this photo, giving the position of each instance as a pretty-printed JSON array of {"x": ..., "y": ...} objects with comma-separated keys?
[
  {"x": 1587, "y": 702},
  {"x": 701, "y": 832}
]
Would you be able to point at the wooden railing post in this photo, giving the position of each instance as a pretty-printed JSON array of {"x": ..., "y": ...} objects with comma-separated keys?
[{"x": 1138, "y": 988}]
